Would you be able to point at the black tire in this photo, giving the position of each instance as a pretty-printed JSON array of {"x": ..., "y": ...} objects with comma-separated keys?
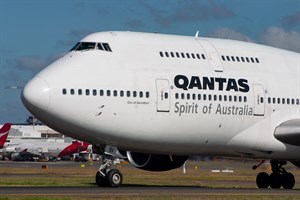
[
  {"x": 288, "y": 181},
  {"x": 275, "y": 180},
  {"x": 100, "y": 180},
  {"x": 114, "y": 178},
  {"x": 262, "y": 180}
]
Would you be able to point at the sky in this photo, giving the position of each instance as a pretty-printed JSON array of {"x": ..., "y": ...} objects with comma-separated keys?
[{"x": 33, "y": 33}]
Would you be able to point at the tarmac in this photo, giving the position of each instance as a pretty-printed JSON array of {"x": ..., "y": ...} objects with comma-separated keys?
[{"x": 140, "y": 191}]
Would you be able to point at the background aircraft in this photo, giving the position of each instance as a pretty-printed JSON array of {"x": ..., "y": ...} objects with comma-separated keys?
[{"x": 4, "y": 131}]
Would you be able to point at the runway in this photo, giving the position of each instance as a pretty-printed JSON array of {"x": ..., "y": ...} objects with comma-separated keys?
[{"x": 141, "y": 191}]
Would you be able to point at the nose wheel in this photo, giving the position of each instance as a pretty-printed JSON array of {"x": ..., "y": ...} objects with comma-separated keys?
[
  {"x": 279, "y": 177},
  {"x": 106, "y": 176},
  {"x": 113, "y": 178}
]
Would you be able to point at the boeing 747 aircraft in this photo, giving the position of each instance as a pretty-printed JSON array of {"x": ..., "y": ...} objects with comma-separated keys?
[{"x": 156, "y": 99}]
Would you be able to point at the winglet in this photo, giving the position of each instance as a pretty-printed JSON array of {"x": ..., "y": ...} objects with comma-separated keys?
[
  {"x": 197, "y": 34},
  {"x": 4, "y": 133}
]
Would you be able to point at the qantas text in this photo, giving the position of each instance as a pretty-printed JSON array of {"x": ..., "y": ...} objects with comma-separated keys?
[{"x": 211, "y": 83}]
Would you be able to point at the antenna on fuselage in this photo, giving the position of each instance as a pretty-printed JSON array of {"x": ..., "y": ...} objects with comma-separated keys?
[{"x": 197, "y": 34}]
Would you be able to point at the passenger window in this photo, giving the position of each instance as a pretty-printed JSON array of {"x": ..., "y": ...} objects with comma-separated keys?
[
  {"x": 176, "y": 96},
  {"x": 108, "y": 93},
  {"x": 182, "y": 95},
  {"x": 79, "y": 91},
  {"x": 147, "y": 94},
  {"x": 198, "y": 56},
  {"x": 247, "y": 59},
  {"x": 161, "y": 54},
  {"x": 94, "y": 92},
  {"x": 230, "y": 98},
  {"x": 182, "y": 55},
  {"x": 177, "y": 54},
  {"x": 223, "y": 58},
  {"x": 245, "y": 99},
  {"x": 209, "y": 97},
  {"x": 288, "y": 101},
  {"x": 225, "y": 98},
  {"x": 128, "y": 93},
  {"x": 187, "y": 96},
  {"x": 194, "y": 96},
  {"x": 204, "y": 97},
  {"x": 199, "y": 96},
  {"x": 172, "y": 54},
  {"x": 134, "y": 94},
  {"x": 121, "y": 93},
  {"x": 228, "y": 58},
  {"x": 193, "y": 56},
  {"x": 297, "y": 101},
  {"x": 278, "y": 100},
  {"x": 240, "y": 99},
  {"x": 215, "y": 97},
  {"x": 293, "y": 101},
  {"x": 87, "y": 92},
  {"x": 283, "y": 101},
  {"x": 269, "y": 100},
  {"x": 261, "y": 99},
  {"x": 252, "y": 60},
  {"x": 167, "y": 54},
  {"x": 187, "y": 55},
  {"x": 257, "y": 60},
  {"x": 141, "y": 94},
  {"x": 115, "y": 93},
  {"x": 274, "y": 100},
  {"x": 166, "y": 95},
  {"x": 232, "y": 58},
  {"x": 220, "y": 97},
  {"x": 72, "y": 91},
  {"x": 101, "y": 92},
  {"x": 242, "y": 58},
  {"x": 64, "y": 91},
  {"x": 235, "y": 98},
  {"x": 238, "y": 59},
  {"x": 203, "y": 56}
]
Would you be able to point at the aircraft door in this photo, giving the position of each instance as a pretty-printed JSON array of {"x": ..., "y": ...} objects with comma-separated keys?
[
  {"x": 163, "y": 95},
  {"x": 259, "y": 100}
]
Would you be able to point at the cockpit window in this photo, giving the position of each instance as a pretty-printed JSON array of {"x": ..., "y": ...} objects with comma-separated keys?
[
  {"x": 86, "y": 46},
  {"x": 75, "y": 46},
  {"x": 81, "y": 46}
]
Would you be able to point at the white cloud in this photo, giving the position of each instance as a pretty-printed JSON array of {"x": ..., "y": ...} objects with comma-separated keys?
[
  {"x": 227, "y": 33},
  {"x": 277, "y": 37}
]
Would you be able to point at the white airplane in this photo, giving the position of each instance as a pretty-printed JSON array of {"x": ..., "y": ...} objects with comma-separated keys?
[
  {"x": 20, "y": 149},
  {"x": 161, "y": 98}
]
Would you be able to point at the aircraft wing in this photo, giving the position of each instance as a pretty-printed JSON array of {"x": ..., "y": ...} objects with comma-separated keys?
[{"x": 289, "y": 132}]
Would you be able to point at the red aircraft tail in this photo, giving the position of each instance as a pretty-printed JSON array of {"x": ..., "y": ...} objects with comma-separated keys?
[{"x": 4, "y": 133}]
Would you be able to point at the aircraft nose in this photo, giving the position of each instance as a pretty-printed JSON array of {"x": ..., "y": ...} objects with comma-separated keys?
[{"x": 36, "y": 94}]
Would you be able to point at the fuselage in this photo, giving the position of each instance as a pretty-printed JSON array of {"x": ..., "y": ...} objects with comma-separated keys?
[{"x": 169, "y": 94}]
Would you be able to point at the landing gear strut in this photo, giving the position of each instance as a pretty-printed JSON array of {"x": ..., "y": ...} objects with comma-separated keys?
[
  {"x": 279, "y": 177},
  {"x": 106, "y": 176}
]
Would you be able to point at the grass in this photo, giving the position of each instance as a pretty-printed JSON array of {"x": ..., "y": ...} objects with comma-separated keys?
[{"x": 198, "y": 174}]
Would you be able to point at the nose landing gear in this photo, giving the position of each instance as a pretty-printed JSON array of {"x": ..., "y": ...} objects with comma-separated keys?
[
  {"x": 106, "y": 176},
  {"x": 279, "y": 177}
]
